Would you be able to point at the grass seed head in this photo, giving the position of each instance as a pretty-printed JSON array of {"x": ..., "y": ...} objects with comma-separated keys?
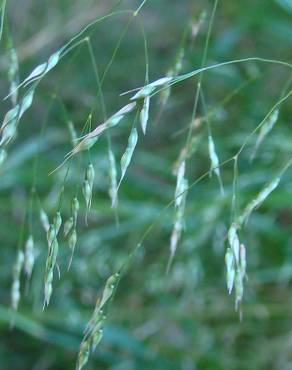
[
  {"x": 113, "y": 189},
  {"x": 44, "y": 220},
  {"x": 83, "y": 354},
  {"x": 90, "y": 173},
  {"x": 74, "y": 209},
  {"x": 144, "y": 114},
  {"x": 15, "y": 289},
  {"x": 87, "y": 192},
  {"x": 68, "y": 225},
  {"x": 29, "y": 256},
  {"x": 127, "y": 156},
  {"x": 57, "y": 222},
  {"x": 51, "y": 234},
  {"x": 230, "y": 269}
]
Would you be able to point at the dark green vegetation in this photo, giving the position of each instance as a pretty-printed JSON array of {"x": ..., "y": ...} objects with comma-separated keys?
[{"x": 184, "y": 319}]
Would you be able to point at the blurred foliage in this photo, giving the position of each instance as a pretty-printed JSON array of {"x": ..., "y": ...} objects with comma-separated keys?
[{"x": 184, "y": 319}]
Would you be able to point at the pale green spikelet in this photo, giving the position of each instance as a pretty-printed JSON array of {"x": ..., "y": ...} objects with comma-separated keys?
[
  {"x": 74, "y": 209},
  {"x": 127, "y": 156},
  {"x": 44, "y": 220},
  {"x": 15, "y": 289},
  {"x": 113, "y": 189},
  {"x": 144, "y": 114},
  {"x": 57, "y": 222},
  {"x": 68, "y": 225},
  {"x": 29, "y": 256}
]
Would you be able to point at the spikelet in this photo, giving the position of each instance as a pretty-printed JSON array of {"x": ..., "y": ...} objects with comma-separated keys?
[
  {"x": 127, "y": 156},
  {"x": 90, "y": 174},
  {"x": 150, "y": 88},
  {"x": 214, "y": 162},
  {"x": 87, "y": 193},
  {"x": 234, "y": 241},
  {"x": 57, "y": 222},
  {"x": 109, "y": 289},
  {"x": 9, "y": 124},
  {"x": 83, "y": 354},
  {"x": 113, "y": 189},
  {"x": 89, "y": 140},
  {"x": 40, "y": 71},
  {"x": 74, "y": 209},
  {"x": 68, "y": 225},
  {"x": 238, "y": 288},
  {"x": 53, "y": 248},
  {"x": 235, "y": 261},
  {"x": 180, "y": 185},
  {"x": 44, "y": 220},
  {"x": 265, "y": 129},
  {"x": 51, "y": 234},
  {"x": 243, "y": 260},
  {"x": 96, "y": 338},
  {"x": 72, "y": 240},
  {"x": 179, "y": 219},
  {"x": 230, "y": 269},
  {"x": 49, "y": 271},
  {"x": 29, "y": 256},
  {"x": 94, "y": 329},
  {"x": 87, "y": 187},
  {"x": 144, "y": 114},
  {"x": 15, "y": 289},
  {"x": 255, "y": 203}
]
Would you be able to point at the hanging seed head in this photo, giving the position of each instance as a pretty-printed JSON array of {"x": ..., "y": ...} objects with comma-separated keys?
[
  {"x": 230, "y": 270},
  {"x": 15, "y": 289},
  {"x": 234, "y": 241},
  {"x": 29, "y": 256},
  {"x": 90, "y": 173},
  {"x": 44, "y": 220},
  {"x": 83, "y": 354},
  {"x": 51, "y": 234},
  {"x": 72, "y": 239},
  {"x": 180, "y": 184},
  {"x": 243, "y": 260},
  {"x": 75, "y": 208},
  {"x": 68, "y": 225},
  {"x": 96, "y": 338},
  {"x": 238, "y": 288},
  {"x": 48, "y": 286},
  {"x": 109, "y": 288},
  {"x": 113, "y": 190},
  {"x": 54, "y": 252},
  {"x": 15, "y": 294},
  {"x": 8, "y": 133},
  {"x": 18, "y": 264},
  {"x": 127, "y": 156},
  {"x": 86, "y": 190},
  {"x": 57, "y": 222},
  {"x": 144, "y": 114}
]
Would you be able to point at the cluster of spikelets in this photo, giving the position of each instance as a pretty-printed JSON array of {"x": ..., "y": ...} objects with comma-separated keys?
[
  {"x": 94, "y": 330},
  {"x": 24, "y": 262}
]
